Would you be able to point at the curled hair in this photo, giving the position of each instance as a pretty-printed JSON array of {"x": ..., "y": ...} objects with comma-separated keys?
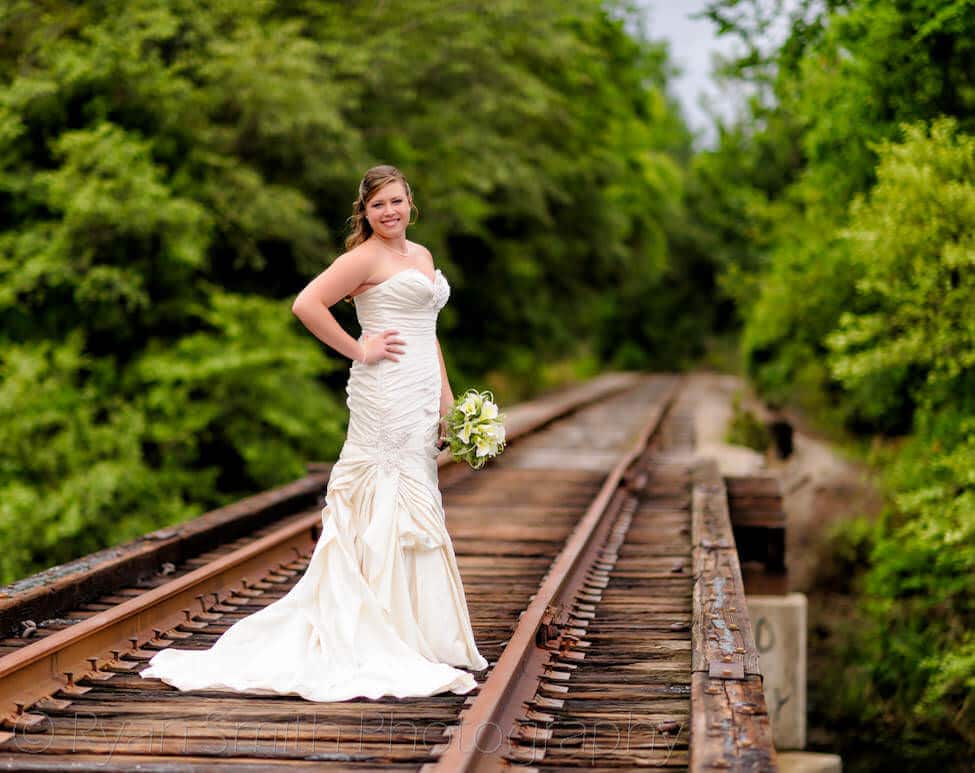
[{"x": 372, "y": 181}]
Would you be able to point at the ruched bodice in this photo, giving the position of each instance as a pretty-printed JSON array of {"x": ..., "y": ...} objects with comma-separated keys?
[
  {"x": 381, "y": 608},
  {"x": 394, "y": 406}
]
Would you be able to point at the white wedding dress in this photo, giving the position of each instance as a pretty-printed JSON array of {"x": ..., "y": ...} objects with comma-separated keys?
[{"x": 381, "y": 608}]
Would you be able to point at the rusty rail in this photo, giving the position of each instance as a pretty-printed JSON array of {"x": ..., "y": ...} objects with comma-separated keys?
[
  {"x": 57, "y": 661},
  {"x": 491, "y": 719},
  {"x": 576, "y": 550}
]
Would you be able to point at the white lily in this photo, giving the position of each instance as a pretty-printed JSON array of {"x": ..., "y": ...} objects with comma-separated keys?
[{"x": 476, "y": 428}]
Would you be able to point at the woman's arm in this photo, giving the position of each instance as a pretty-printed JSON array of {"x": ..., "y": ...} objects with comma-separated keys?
[{"x": 312, "y": 306}]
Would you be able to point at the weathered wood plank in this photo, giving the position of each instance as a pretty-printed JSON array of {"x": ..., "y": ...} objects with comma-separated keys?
[
  {"x": 724, "y": 643},
  {"x": 730, "y": 726}
]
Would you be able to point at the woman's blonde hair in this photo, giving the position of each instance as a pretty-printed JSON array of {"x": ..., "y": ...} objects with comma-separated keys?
[{"x": 372, "y": 181}]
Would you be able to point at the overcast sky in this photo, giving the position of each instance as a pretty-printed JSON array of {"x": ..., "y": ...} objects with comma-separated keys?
[{"x": 692, "y": 46}]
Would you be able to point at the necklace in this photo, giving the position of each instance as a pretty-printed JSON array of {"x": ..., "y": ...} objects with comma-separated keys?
[{"x": 391, "y": 249}]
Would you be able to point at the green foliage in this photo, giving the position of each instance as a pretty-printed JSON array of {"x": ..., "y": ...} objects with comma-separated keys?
[
  {"x": 913, "y": 244},
  {"x": 746, "y": 429},
  {"x": 848, "y": 218},
  {"x": 906, "y": 356},
  {"x": 848, "y": 544},
  {"x": 807, "y": 285},
  {"x": 902, "y": 666},
  {"x": 73, "y": 473},
  {"x": 242, "y": 384},
  {"x": 172, "y": 174},
  {"x": 845, "y": 80}
]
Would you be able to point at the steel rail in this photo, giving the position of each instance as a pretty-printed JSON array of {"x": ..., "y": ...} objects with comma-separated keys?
[
  {"x": 476, "y": 744},
  {"x": 56, "y": 662}
]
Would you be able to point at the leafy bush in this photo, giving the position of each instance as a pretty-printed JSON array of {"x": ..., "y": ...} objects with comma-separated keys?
[
  {"x": 913, "y": 242},
  {"x": 903, "y": 660},
  {"x": 848, "y": 210},
  {"x": 746, "y": 429},
  {"x": 846, "y": 546},
  {"x": 914, "y": 238}
]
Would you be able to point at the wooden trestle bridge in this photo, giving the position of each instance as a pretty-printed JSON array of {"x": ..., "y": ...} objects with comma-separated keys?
[{"x": 602, "y": 577}]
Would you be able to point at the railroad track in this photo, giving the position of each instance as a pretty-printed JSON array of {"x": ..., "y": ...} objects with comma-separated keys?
[{"x": 601, "y": 577}]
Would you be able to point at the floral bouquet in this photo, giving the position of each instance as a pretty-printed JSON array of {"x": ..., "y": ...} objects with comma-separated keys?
[{"x": 474, "y": 428}]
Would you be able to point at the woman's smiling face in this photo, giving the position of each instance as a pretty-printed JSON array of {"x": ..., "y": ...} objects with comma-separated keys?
[{"x": 388, "y": 212}]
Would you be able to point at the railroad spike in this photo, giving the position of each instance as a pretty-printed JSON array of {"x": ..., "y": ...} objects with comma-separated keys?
[
  {"x": 71, "y": 688},
  {"x": 96, "y": 674},
  {"x": 25, "y": 722}
]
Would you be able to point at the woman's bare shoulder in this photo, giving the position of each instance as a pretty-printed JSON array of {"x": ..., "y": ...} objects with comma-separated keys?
[
  {"x": 363, "y": 255},
  {"x": 423, "y": 253}
]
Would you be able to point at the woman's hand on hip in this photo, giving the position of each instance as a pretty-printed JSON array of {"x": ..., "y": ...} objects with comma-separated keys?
[{"x": 382, "y": 346}]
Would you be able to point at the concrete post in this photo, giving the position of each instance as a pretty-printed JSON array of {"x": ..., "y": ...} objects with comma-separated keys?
[{"x": 779, "y": 623}]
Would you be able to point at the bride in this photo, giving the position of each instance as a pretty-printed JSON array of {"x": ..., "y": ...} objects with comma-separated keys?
[{"x": 381, "y": 608}]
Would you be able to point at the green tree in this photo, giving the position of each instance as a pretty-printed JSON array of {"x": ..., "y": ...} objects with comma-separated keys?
[
  {"x": 849, "y": 257},
  {"x": 172, "y": 174},
  {"x": 847, "y": 75}
]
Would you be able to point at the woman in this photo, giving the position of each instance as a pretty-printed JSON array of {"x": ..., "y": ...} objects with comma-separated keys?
[{"x": 381, "y": 609}]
